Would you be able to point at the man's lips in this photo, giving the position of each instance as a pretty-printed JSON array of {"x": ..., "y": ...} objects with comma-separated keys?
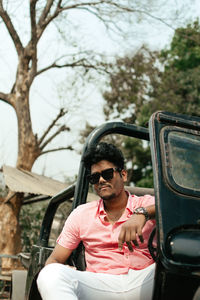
[{"x": 103, "y": 187}]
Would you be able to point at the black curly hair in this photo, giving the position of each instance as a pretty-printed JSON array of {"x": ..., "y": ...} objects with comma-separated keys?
[{"x": 103, "y": 151}]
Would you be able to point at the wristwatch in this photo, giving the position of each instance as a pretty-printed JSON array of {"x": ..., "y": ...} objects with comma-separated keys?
[{"x": 142, "y": 211}]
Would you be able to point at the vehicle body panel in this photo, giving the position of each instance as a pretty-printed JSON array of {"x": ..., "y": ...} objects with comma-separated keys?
[{"x": 177, "y": 204}]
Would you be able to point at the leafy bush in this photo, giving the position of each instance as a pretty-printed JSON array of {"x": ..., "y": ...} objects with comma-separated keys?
[{"x": 31, "y": 216}]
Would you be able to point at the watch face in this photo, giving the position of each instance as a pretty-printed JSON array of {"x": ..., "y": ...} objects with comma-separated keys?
[{"x": 140, "y": 210}]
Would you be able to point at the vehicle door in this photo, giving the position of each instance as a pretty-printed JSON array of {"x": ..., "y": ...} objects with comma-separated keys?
[{"x": 175, "y": 148}]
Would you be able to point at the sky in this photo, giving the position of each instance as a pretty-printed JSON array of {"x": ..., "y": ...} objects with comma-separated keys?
[{"x": 48, "y": 92}]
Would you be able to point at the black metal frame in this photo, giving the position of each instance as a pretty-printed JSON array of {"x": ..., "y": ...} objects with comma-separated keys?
[
  {"x": 105, "y": 129},
  {"x": 80, "y": 189}
]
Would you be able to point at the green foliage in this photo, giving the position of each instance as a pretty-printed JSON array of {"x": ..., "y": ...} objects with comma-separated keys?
[
  {"x": 152, "y": 81},
  {"x": 138, "y": 159},
  {"x": 179, "y": 84},
  {"x": 129, "y": 85},
  {"x": 31, "y": 216},
  {"x": 184, "y": 52}
]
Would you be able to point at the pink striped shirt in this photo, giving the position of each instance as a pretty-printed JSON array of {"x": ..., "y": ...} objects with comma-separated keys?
[{"x": 87, "y": 223}]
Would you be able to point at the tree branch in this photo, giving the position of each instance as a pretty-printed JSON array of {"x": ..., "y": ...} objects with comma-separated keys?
[
  {"x": 45, "y": 12},
  {"x": 60, "y": 129},
  {"x": 61, "y": 113},
  {"x": 55, "y": 65},
  {"x": 57, "y": 149},
  {"x": 79, "y": 63},
  {"x": 156, "y": 18},
  {"x": 33, "y": 18},
  {"x": 99, "y": 8},
  {"x": 31, "y": 48},
  {"x": 13, "y": 33},
  {"x": 5, "y": 97},
  {"x": 83, "y": 4},
  {"x": 44, "y": 19}
]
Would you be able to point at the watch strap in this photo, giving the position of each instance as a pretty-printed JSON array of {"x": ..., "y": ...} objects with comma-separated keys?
[{"x": 142, "y": 211}]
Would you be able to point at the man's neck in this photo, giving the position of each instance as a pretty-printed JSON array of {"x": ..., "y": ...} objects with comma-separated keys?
[
  {"x": 115, "y": 207},
  {"x": 117, "y": 203}
]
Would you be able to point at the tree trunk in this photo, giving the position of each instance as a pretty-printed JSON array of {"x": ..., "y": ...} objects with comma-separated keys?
[
  {"x": 28, "y": 151},
  {"x": 10, "y": 242}
]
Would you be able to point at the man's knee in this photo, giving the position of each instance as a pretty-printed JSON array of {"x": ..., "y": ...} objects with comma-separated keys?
[
  {"x": 57, "y": 281},
  {"x": 49, "y": 276}
]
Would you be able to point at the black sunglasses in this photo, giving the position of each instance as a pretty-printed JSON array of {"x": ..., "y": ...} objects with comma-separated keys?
[{"x": 106, "y": 174}]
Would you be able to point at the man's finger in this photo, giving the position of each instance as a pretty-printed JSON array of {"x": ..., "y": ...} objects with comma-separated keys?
[
  {"x": 134, "y": 238},
  {"x": 139, "y": 232},
  {"x": 141, "y": 238},
  {"x": 130, "y": 247},
  {"x": 135, "y": 242},
  {"x": 121, "y": 240}
]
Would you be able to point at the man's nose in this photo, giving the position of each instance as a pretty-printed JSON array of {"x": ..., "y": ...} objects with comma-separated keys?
[{"x": 101, "y": 179}]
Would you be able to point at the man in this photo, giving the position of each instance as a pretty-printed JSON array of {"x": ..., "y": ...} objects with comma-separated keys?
[{"x": 114, "y": 231}]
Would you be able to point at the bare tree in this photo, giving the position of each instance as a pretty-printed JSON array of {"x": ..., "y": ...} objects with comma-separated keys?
[{"x": 42, "y": 13}]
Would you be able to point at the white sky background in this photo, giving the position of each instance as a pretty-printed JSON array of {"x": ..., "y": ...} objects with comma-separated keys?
[{"x": 48, "y": 92}]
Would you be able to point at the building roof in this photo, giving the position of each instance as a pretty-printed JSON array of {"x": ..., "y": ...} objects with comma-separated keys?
[{"x": 32, "y": 183}]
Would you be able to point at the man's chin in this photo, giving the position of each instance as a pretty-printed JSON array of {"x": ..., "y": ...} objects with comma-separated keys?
[{"x": 108, "y": 197}]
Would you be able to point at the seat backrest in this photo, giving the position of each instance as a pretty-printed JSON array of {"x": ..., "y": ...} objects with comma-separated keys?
[{"x": 140, "y": 191}]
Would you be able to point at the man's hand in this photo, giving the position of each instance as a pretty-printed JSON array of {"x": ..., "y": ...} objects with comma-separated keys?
[{"x": 131, "y": 231}]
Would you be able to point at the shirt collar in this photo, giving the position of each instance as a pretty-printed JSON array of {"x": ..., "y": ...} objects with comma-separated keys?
[{"x": 129, "y": 205}]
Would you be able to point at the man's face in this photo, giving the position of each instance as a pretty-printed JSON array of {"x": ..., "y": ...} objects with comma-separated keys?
[{"x": 108, "y": 189}]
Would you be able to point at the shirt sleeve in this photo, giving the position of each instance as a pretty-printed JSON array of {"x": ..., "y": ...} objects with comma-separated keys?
[
  {"x": 147, "y": 200},
  {"x": 70, "y": 235}
]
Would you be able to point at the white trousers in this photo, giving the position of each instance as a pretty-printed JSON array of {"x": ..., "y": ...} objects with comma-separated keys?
[{"x": 60, "y": 282}]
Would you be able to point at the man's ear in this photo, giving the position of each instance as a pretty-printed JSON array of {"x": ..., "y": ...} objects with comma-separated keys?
[{"x": 124, "y": 175}]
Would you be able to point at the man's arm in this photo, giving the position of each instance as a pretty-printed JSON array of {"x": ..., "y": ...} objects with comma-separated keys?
[
  {"x": 59, "y": 255},
  {"x": 132, "y": 229}
]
